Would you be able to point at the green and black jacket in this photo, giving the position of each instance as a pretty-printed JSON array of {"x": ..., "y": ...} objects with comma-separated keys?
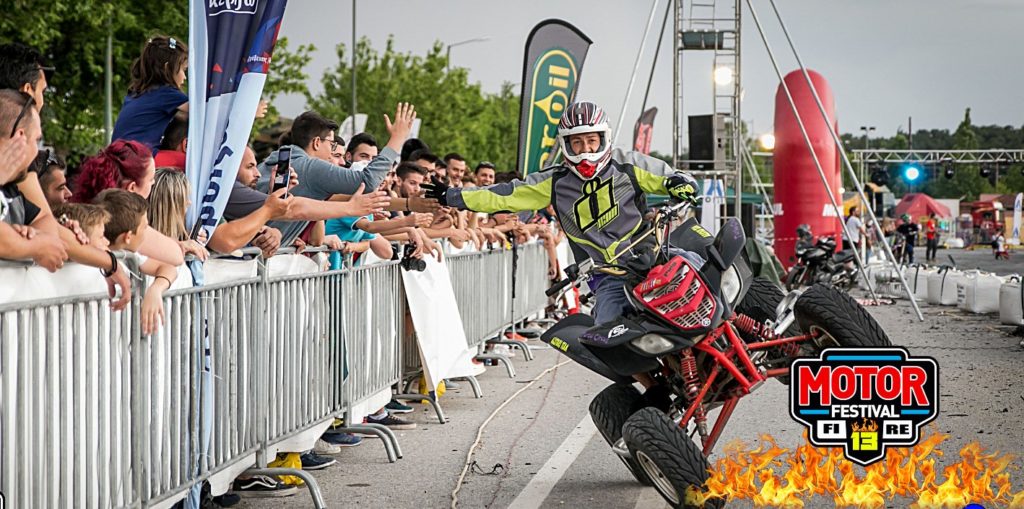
[{"x": 600, "y": 216}]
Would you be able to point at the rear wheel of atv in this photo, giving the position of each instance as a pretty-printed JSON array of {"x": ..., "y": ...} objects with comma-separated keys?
[
  {"x": 610, "y": 410},
  {"x": 837, "y": 319},
  {"x": 676, "y": 466},
  {"x": 761, "y": 303}
]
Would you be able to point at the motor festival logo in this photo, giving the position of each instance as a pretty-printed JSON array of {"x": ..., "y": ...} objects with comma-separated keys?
[{"x": 864, "y": 400}]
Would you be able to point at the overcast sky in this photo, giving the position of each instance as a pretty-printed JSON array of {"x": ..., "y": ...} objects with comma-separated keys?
[{"x": 885, "y": 59}]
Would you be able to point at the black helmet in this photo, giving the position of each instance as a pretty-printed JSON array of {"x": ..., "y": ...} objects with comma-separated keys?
[{"x": 803, "y": 231}]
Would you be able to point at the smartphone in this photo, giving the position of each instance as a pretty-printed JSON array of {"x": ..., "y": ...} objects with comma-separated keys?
[{"x": 282, "y": 175}]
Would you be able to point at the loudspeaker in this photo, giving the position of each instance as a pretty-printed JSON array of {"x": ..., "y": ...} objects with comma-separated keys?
[{"x": 702, "y": 141}]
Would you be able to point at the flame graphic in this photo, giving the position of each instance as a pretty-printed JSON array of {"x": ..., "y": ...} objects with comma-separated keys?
[
  {"x": 771, "y": 476},
  {"x": 868, "y": 426}
]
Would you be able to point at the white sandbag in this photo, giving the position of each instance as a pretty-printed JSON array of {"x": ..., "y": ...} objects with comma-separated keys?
[
  {"x": 978, "y": 292},
  {"x": 1011, "y": 302},
  {"x": 917, "y": 278},
  {"x": 942, "y": 287}
]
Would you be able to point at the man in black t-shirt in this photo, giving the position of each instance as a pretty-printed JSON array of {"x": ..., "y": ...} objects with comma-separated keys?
[{"x": 909, "y": 230}]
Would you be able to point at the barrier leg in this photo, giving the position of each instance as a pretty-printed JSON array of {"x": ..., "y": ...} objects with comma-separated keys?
[
  {"x": 500, "y": 358},
  {"x": 387, "y": 431},
  {"x": 514, "y": 344},
  {"x": 477, "y": 392},
  {"x": 389, "y": 439},
  {"x": 314, "y": 488},
  {"x": 431, "y": 398}
]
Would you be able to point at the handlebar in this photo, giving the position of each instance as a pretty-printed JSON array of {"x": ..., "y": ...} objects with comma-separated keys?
[
  {"x": 558, "y": 287},
  {"x": 673, "y": 211}
]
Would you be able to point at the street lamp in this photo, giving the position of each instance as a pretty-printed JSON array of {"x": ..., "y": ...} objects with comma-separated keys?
[
  {"x": 867, "y": 132},
  {"x": 448, "y": 49},
  {"x": 867, "y": 145},
  {"x": 767, "y": 141}
]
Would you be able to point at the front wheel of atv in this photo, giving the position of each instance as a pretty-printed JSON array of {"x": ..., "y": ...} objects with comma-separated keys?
[
  {"x": 837, "y": 320},
  {"x": 610, "y": 410},
  {"x": 676, "y": 466}
]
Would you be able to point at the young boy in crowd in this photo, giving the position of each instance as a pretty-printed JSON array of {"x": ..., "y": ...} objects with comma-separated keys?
[
  {"x": 91, "y": 218},
  {"x": 123, "y": 231}
]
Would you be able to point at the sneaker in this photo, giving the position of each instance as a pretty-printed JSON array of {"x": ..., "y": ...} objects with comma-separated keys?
[
  {"x": 262, "y": 486},
  {"x": 325, "y": 446},
  {"x": 451, "y": 385},
  {"x": 392, "y": 422},
  {"x": 311, "y": 461},
  {"x": 397, "y": 407},
  {"x": 340, "y": 440}
]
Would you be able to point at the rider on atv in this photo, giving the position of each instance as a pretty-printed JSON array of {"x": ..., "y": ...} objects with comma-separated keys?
[{"x": 599, "y": 195}]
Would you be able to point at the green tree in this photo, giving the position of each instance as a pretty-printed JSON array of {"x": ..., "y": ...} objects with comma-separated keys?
[
  {"x": 966, "y": 182},
  {"x": 287, "y": 76},
  {"x": 72, "y": 35},
  {"x": 456, "y": 115}
]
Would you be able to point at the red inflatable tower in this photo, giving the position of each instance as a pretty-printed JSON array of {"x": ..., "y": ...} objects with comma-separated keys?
[{"x": 799, "y": 194}]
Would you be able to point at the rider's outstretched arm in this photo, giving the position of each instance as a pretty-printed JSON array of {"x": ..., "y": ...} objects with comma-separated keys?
[
  {"x": 534, "y": 193},
  {"x": 651, "y": 172}
]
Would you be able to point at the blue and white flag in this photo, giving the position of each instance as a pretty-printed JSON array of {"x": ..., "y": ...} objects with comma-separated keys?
[
  {"x": 230, "y": 46},
  {"x": 1016, "y": 215}
]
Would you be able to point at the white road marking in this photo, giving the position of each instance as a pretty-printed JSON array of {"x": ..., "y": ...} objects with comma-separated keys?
[
  {"x": 534, "y": 494},
  {"x": 650, "y": 499}
]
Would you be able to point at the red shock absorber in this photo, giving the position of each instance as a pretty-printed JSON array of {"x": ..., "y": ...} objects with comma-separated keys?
[
  {"x": 755, "y": 328},
  {"x": 691, "y": 379}
]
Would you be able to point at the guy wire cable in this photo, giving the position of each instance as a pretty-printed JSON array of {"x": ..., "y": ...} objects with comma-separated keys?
[{"x": 480, "y": 430}]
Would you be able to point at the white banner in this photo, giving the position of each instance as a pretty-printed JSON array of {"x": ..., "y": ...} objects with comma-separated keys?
[
  {"x": 439, "y": 331},
  {"x": 713, "y": 197},
  {"x": 1016, "y": 216},
  {"x": 347, "y": 130}
]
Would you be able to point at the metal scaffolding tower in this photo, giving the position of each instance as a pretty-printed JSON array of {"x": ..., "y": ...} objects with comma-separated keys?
[{"x": 712, "y": 26}]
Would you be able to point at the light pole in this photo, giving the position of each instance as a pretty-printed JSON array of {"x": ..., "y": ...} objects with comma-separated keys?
[
  {"x": 867, "y": 130},
  {"x": 448, "y": 49}
]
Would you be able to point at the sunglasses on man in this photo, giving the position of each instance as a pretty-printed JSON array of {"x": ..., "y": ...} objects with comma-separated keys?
[{"x": 28, "y": 104}]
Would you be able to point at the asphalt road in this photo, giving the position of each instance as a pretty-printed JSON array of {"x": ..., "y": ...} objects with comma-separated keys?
[
  {"x": 554, "y": 459},
  {"x": 980, "y": 258}
]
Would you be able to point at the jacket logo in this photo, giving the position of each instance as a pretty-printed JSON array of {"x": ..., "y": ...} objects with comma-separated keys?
[{"x": 597, "y": 206}]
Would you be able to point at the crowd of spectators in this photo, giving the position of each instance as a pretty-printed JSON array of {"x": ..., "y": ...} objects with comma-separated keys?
[{"x": 357, "y": 197}]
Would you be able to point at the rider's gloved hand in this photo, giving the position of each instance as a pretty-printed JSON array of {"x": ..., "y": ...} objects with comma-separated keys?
[
  {"x": 682, "y": 187},
  {"x": 437, "y": 190}
]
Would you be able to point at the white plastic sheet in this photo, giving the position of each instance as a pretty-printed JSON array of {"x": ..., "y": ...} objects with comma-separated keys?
[{"x": 439, "y": 331}]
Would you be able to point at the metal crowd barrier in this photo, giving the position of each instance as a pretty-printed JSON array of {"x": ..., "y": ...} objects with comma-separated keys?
[
  {"x": 94, "y": 414},
  {"x": 483, "y": 289}
]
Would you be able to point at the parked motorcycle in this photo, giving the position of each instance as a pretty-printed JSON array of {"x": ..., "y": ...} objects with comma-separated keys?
[
  {"x": 818, "y": 262},
  {"x": 706, "y": 337}
]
